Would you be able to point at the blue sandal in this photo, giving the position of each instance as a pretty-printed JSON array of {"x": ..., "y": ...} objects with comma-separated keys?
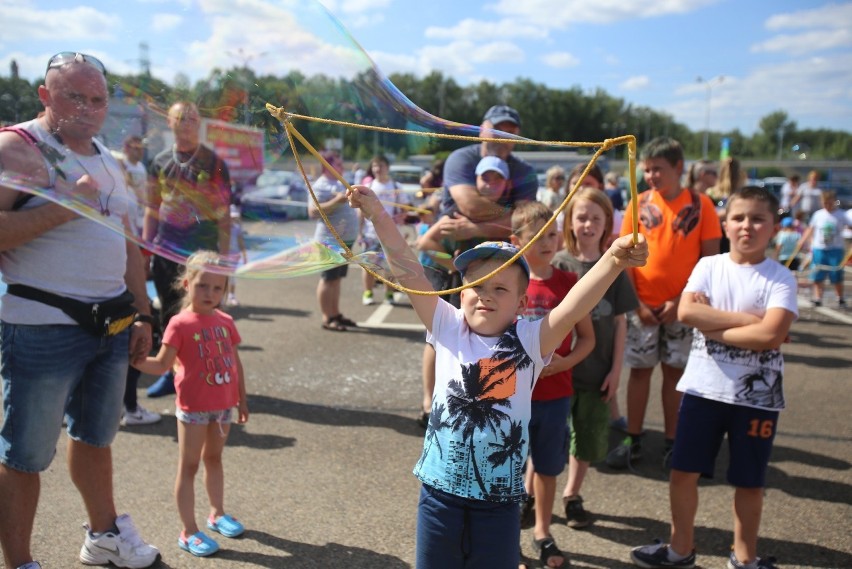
[
  {"x": 226, "y": 525},
  {"x": 198, "y": 544}
]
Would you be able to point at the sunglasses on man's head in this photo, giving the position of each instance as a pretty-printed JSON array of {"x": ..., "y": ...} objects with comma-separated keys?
[{"x": 66, "y": 57}]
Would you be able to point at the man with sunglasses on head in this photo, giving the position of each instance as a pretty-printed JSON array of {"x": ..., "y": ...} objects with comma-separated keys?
[
  {"x": 52, "y": 364},
  {"x": 681, "y": 226}
]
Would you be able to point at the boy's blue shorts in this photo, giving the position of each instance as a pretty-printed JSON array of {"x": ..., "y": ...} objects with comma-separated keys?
[
  {"x": 703, "y": 423},
  {"x": 549, "y": 435},
  {"x": 826, "y": 264},
  {"x": 458, "y": 533}
]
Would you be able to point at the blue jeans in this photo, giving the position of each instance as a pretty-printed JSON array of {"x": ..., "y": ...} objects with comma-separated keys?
[
  {"x": 54, "y": 370},
  {"x": 457, "y": 533}
]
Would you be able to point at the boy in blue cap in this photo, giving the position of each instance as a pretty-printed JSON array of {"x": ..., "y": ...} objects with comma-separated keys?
[{"x": 487, "y": 364}]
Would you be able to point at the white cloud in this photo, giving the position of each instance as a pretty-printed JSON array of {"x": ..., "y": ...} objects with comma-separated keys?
[
  {"x": 556, "y": 14},
  {"x": 255, "y": 26},
  {"x": 560, "y": 59},
  {"x": 809, "y": 42},
  {"x": 355, "y": 6},
  {"x": 165, "y": 22},
  {"x": 457, "y": 59},
  {"x": 24, "y": 23},
  {"x": 184, "y": 3},
  {"x": 828, "y": 16},
  {"x": 365, "y": 20},
  {"x": 812, "y": 91},
  {"x": 635, "y": 83},
  {"x": 481, "y": 30}
]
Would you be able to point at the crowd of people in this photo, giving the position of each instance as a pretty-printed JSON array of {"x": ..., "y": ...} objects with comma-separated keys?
[{"x": 520, "y": 370}]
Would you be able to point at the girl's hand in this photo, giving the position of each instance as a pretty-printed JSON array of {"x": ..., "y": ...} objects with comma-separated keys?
[
  {"x": 626, "y": 254},
  {"x": 243, "y": 412},
  {"x": 363, "y": 198}
]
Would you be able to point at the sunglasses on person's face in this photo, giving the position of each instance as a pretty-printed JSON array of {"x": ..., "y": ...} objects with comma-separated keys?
[{"x": 66, "y": 57}]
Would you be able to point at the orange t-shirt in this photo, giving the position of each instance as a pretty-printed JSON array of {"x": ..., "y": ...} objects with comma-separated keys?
[{"x": 674, "y": 230}]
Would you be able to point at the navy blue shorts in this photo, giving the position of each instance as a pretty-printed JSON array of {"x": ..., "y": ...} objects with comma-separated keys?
[
  {"x": 549, "y": 435},
  {"x": 703, "y": 423},
  {"x": 458, "y": 533}
]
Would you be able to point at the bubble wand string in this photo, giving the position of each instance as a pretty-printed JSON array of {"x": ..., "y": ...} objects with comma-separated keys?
[{"x": 292, "y": 131}]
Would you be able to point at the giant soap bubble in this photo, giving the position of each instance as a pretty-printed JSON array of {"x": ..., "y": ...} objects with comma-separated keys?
[{"x": 249, "y": 68}]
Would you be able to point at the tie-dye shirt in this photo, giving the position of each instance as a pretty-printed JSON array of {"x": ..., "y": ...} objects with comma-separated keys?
[{"x": 478, "y": 434}]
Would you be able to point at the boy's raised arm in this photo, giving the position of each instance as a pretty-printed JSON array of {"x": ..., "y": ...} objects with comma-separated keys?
[
  {"x": 583, "y": 297},
  {"x": 401, "y": 259}
]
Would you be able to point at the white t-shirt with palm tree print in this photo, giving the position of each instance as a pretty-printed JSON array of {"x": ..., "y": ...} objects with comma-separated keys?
[{"x": 478, "y": 434}]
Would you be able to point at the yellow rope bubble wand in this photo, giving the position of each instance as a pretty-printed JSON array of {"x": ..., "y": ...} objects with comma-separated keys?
[{"x": 286, "y": 119}]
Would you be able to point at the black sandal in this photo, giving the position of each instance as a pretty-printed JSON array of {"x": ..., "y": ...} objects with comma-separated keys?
[
  {"x": 547, "y": 549},
  {"x": 345, "y": 321},
  {"x": 334, "y": 324}
]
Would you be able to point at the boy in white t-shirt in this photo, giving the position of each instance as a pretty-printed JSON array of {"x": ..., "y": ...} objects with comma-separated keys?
[
  {"x": 825, "y": 234},
  {"x": 487, "y": 364},
  {"x": 741, "y": 305}
]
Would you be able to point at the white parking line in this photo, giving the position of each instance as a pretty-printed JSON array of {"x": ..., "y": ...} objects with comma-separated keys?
[
  {"x": 377, "y": 321},
  {"x": 805, "y": 302}
]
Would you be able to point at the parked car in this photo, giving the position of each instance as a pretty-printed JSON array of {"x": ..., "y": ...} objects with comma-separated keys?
[
  {"x": 278, "y": 194},
  {"x": 844, "y": 196},
  {"x": 407, "y": 176},
  {"x": 775, "y": 183}
]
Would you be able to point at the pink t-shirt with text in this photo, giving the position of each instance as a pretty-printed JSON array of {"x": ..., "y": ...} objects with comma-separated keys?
[{"x": 206, "y": 378}]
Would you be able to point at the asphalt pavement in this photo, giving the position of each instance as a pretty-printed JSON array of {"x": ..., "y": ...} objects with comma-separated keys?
[{"x": 321, "y": 473}]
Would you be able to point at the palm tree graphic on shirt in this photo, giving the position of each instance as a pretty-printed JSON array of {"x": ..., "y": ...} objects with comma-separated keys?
[{"x": 476, "y": 402}]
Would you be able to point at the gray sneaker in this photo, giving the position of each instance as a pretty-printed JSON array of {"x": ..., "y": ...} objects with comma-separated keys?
[
  {"x": 30, "y": 565},
  {"x": 656, "y": 556},
  {"x": 760, "y": 563},
  {"x": 628, "y": 450}
]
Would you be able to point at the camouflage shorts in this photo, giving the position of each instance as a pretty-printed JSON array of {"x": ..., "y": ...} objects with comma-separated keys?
[{"x": 647, "y": 346}]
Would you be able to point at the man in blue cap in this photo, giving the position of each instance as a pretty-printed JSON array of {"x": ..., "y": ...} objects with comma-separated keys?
[{"x": 471, "y": 218}]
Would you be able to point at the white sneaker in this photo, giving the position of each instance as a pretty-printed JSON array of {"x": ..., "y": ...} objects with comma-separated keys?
[
  {"x": 30, "y": 565},
  {"x": 125, "y": 549},
  {"x": 139, "y": 417}
]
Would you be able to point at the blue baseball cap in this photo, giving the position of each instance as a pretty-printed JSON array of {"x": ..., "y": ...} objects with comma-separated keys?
[
  {"x": 502, "y": 113},
  {"x": 493, "y": 164},
  {"x": 499, "y": 250},
  {"x": 787, "y": 222}
]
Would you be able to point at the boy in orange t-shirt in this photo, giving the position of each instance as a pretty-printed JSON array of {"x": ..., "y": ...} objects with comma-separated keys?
[{"x": 681, "y": 226}]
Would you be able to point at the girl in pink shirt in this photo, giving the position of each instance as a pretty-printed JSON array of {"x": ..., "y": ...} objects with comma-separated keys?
[{"x": 202, "y": 341}]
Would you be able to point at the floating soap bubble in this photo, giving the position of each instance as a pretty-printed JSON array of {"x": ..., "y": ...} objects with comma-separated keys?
[{"x": 241, "y": 72}]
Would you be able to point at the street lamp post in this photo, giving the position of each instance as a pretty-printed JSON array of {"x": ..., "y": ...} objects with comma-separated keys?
[{"x": 705, "y": 144}]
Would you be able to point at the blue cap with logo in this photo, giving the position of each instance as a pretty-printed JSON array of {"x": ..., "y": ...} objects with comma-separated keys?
[{"x": 499, "y": 250}]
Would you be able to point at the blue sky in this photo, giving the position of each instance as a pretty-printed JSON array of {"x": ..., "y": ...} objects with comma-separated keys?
[{"x": 757, "y": 56}]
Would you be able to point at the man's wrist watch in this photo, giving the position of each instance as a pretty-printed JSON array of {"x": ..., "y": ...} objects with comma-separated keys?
[{"x": 146, "y": 318}]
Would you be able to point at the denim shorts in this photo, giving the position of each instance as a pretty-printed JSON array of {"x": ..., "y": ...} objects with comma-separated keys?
[
  {"x": 54, "y": 370},
  {"x": 549, "y": 435},
  {"x": 458, "y": 533}
]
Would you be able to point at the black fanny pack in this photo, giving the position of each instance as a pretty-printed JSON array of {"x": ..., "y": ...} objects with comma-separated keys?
[{"x": 106, "y": 318}]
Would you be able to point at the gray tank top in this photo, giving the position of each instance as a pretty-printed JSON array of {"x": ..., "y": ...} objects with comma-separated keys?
[{"x": 81, "y": 259}]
